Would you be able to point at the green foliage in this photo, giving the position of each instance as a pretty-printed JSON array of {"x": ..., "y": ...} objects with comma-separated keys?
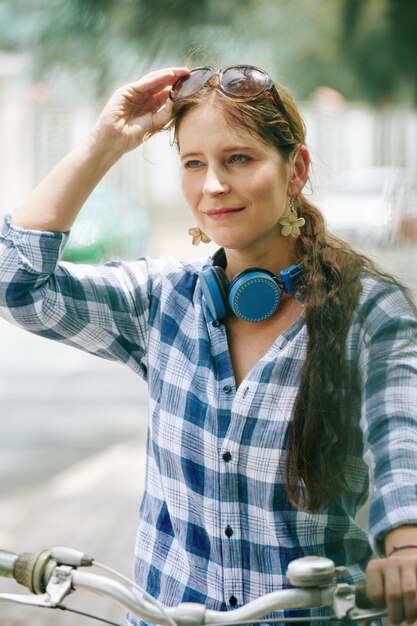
[
  {"x": 366, "y": 49},
  {"x": 380, "y": 43}
]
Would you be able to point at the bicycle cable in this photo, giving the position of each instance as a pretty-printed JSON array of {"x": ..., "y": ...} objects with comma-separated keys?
[
  {"x": 83, "y": 614},
  {"x": 281, "y": 620},
  {"x": 137, "y": 587}
]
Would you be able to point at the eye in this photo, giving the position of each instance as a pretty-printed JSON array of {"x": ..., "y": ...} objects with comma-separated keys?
[
  {"x": 239, "y": 158},
  {"x": 193, "y": 164}
]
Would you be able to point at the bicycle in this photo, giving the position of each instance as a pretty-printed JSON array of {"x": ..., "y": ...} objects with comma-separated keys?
[{"x": 51, "y": 575}]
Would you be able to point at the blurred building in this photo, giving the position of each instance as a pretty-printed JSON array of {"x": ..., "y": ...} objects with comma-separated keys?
[{"x": 16, "y": 130}]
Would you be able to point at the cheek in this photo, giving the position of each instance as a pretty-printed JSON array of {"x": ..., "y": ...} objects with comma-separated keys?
[
  {"x": 263, "y": 192},
  {"x": 189, "y": 190},
  {"x": 271, "y": 188}
]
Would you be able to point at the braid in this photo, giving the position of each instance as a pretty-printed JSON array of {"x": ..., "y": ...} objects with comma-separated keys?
[{"x": 316, "y": 449}]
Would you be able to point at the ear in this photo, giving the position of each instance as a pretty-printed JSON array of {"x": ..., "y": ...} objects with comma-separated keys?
[{"x": 300, "y": 170}]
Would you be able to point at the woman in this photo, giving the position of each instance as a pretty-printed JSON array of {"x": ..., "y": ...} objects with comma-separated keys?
[{"x": 275, "y": 393}]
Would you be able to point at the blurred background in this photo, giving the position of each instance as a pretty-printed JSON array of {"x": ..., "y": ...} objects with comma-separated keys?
[{"x": 73, "y": 427}]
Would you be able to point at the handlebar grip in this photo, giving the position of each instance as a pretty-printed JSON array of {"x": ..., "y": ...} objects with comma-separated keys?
[
  {"x": 361, "y": 599},
  {"x": 7, "y": 563},
  {"x": 34, "y": 570}
]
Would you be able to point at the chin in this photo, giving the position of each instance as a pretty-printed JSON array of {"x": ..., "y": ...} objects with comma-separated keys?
[
  {"x": 232, "y": 241},
  {"x": 229, "y": 244}
]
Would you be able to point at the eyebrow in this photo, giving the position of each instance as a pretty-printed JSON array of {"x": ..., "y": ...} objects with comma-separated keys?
[
  {"x": 241, "y": 148},
  {"x": 187, "y": 155}
]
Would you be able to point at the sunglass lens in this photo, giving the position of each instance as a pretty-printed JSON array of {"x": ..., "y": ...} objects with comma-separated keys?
[
  {"x": 185, "y": 87},
  {"x": 244, "y": 81}
]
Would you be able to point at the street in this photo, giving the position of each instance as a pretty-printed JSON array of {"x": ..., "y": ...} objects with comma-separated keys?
[
  {"x": 72, "y": 451},
  {"x": 59, "y": 405}
]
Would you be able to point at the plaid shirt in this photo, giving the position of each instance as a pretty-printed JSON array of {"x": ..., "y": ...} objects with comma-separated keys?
[{"x": 216, "y": 525}]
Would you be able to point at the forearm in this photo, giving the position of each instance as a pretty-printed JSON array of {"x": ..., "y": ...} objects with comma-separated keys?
[{"x": 56, "y": 201}]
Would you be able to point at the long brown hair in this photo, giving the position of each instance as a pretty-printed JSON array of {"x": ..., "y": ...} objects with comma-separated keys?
[{"x": 322, "y": 417}]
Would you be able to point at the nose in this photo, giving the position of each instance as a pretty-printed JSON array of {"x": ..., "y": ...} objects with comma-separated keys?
[{"x": 214, "y": 183}]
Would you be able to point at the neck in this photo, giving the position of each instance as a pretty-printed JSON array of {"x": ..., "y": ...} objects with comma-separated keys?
[{"x": 272, "y": 260}]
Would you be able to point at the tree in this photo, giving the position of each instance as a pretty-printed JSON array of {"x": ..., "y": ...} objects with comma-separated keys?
[
  {"x": 379, "y": 42},
  {"x": 365, "y": 49},
  {"x": 111, "y": 37}
]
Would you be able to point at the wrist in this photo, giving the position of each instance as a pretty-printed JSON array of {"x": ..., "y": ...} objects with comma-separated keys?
[
  {"x": 107, "y": 150},
  {"x": 406, "y": 549},
  {"x": 404, "y": 535}
]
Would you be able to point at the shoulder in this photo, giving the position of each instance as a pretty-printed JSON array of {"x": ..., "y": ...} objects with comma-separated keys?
[
  {"x": 384, "y": 304},
  {"x": 170, "y": 268},
  {"x": 166, "y": 273},
  {"x": 384, "y": 295}
]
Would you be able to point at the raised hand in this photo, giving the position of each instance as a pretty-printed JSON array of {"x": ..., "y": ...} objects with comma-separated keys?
[
  {"x": 137, "y": 109},
  {"x": 133, "y": 111}
]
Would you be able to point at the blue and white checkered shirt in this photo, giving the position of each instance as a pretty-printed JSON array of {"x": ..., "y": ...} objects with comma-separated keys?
[{"x": 216, "y": 525}]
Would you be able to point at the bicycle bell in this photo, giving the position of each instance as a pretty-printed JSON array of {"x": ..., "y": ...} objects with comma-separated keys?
[{"x": 311, "y": 571}]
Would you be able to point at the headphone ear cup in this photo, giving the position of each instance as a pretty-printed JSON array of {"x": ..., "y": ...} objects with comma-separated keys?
[
  {"x": 254, "y": 295},
  {"x": 215, "y": 288}
]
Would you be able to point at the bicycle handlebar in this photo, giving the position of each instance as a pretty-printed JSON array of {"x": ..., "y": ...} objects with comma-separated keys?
[{"x": 53, "y": 574}]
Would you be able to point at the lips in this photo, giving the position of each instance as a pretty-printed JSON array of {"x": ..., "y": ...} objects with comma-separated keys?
[{"x": 224, "y": 212}]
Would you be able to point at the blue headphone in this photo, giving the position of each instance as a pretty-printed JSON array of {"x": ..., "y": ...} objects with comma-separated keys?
[{"x": 253, "y": 295}]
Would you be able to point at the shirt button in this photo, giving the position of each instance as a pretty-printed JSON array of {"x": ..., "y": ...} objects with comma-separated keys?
[
  {"x": 228, "y": 532},
  {"x": 227, "y": 457},
  {"x": 215, "y": 323},
  {"x": 227, "y": 389},
  {"x": 232, "y": 601}
]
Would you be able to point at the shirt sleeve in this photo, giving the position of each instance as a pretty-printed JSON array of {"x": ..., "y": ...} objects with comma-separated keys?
[
  {"x": 389, "y": 409},
  {"x": 101, "y": 309}
]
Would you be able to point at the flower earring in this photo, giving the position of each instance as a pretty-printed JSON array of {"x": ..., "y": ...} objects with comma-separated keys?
[
  {"x": 291, "y": 225},
  {"x": 197, "y": 234}
]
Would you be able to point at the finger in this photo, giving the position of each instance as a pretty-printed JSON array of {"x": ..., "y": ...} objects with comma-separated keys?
[
  {"x": 162, "y": 117},
  {"x": 393, "y": 593},
  {"x": 156, "y": 81},
  {"x": 161, "y": 108},
  {"x": 162, "y": 97},
  {"x": 146, "y": 104},
  {"x": 375, "y": 587},
  {"x": 409, "y": 591},
  {"x": 151, "y": 97}
]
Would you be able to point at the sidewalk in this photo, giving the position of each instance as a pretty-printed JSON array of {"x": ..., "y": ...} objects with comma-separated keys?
[{"x": 91, "y": 507}]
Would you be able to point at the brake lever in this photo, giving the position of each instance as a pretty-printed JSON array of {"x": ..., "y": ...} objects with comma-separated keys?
[
  {"x": 362, "y": 615},
  {"x": 345, "y": 608},
  {"x": 42, "y": 600},
  {"x": 59, "y": 586}
]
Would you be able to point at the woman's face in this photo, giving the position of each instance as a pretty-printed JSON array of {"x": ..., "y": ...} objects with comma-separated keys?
[{"x": 236, "y": 184}]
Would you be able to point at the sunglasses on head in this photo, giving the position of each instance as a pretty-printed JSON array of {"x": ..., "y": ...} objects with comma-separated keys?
[{"x": 241, "y": 82}]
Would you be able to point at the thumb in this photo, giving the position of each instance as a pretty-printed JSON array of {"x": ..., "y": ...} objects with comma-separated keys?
[{"x": 162, "y": 116}]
